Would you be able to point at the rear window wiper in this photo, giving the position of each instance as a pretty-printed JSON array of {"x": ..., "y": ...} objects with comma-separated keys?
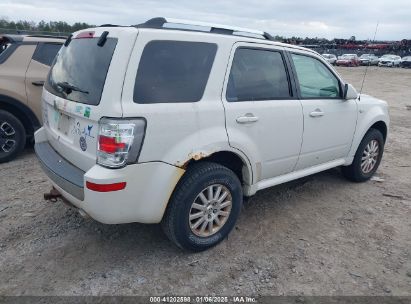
[{"x": 68, "y": 88}]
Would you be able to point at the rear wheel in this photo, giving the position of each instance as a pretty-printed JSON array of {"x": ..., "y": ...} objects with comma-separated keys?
[
  {"x": 204, "y": 207},
  {"x": 367, "y": 158},
  {"x": 12, "y": 136}
]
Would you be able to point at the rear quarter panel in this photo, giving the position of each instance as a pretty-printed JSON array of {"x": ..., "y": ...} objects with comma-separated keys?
[{"x": 178, "y": 132}]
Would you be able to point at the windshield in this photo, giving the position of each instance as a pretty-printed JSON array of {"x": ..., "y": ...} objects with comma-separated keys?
[
  {"x": 80, "y": 69},
  {"x": 347, "y": 56}
]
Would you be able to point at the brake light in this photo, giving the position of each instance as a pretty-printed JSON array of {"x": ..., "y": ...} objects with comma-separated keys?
[
  {"x": 119, "y": 141},
  {"x": 110, "y": 144},
  {"x": 82, "y": 35}
]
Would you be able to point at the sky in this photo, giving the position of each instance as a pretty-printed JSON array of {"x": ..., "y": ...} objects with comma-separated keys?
[{"x": 301, "y": 18}]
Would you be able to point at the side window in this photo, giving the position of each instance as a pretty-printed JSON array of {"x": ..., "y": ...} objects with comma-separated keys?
[
  {"x": 173, "y": 71},
  {"x": 315, "y": 79},
  {"x": 45, "y": 53},
  {"x": 257, "y": 74}
]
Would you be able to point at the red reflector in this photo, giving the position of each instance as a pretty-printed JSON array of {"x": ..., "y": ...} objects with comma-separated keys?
[
  {"x": 106, "y": 187},
  {"x": 109, "y": 144},
  {"x": 85, "y": 35}
]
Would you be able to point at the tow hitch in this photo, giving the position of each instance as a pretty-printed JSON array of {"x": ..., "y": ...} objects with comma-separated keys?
[{"x": 52, "y": 196}]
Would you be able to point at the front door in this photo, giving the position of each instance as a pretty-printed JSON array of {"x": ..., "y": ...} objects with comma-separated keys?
[
  {"x": 329, "y": 120},
  {"x": 264, "y": 119}
]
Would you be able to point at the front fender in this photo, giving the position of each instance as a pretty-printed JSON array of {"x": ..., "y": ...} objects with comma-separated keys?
[{"x": 368, "y": 116}]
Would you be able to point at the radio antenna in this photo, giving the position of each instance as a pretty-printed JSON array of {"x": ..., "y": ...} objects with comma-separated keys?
[{"x": 366, "y": 69}]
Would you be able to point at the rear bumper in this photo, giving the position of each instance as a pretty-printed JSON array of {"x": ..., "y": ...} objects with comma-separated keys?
[
  {"x": 344, "y": 63},
  {"x": 145, "y": 198},
  {"x": 385, "y": 63},
  {"x": 60, "y": 171}
]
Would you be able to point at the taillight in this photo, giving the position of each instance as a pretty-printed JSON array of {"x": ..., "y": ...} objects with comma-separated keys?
[{"x": 119, "y": 141}]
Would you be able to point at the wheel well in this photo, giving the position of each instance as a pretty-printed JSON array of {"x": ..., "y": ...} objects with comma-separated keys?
[
  {"x": 230, "y": 160},
  {"x": 382, "y": 127},
  {"x": 22, "y": 115}
]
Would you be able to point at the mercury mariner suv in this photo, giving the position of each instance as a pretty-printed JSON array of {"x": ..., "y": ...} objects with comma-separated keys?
[{"x": 174, "y": 122}]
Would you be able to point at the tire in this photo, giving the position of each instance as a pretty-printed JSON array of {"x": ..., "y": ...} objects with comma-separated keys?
[
  {"x": 12, "y": 136},
  {"x": 196, "y": 181},
  {"x": 355, "y": 172}
]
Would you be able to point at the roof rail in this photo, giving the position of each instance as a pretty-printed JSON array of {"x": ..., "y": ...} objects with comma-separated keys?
[
  {"x": 159, "y": 22},
  {"x": 109, "y": 25},
  {"x": 47, "y": 36}
]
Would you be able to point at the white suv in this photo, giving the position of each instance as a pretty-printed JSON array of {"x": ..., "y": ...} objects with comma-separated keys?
[{"x": 175, "y": 124}]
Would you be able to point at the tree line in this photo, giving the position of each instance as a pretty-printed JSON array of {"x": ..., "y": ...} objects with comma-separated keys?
[{"x": 59, "y": 27}]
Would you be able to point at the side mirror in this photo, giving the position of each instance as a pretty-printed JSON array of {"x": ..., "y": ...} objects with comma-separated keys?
[{"x": 349, "y": 92}]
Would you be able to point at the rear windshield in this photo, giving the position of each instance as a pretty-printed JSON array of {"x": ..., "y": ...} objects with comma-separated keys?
[{"x": 80, "y": 69}]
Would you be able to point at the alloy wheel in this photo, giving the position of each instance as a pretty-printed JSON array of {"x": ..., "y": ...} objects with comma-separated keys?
[
  {"x": 210, "y": 210},
  {"x": 370, "y": 156},
  {"x": 7, "y": 137}
]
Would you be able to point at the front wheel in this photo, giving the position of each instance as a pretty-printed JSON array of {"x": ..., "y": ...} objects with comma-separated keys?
[
  {"x": 12, "y": 136},
  {"x": 367, "y": 158},
  {"x": 204, "y": 207}
]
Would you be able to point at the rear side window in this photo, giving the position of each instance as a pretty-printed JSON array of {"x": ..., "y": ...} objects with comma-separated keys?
[
  {"x": 6, "y": 50},
  {"x": 315, "y": 79},
  {"x": 46, "y": 52},
  {"x": 80, "y": 69},
  {"x": 257, "y": 74},
  {"x": 173, "y": 71}
]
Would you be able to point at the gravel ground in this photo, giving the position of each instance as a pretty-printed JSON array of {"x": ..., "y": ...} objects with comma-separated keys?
[{"x": 320, "y": 235}]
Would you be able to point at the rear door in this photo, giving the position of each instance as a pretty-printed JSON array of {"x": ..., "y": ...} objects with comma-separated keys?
[
  {"x": 329, "y": 120},
  {"x": 85, "y": 84},
  {"x": 37, "y": 72},
  {"x": 264, "y": 118}
]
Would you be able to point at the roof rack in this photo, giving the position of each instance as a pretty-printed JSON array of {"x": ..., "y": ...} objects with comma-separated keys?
[
  {"x": 159, "y": 22},
  {"x": 109, "y": 25}
]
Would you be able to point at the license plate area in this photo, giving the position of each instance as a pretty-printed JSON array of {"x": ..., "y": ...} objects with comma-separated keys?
[{"x": 64, "y": 124}]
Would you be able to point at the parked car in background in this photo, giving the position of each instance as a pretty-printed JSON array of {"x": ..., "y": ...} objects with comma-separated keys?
[
  {"x": 348, "y": 60},
  {"x": 241, "y": 114},
  {"x": 406, "y": 62},
  {"x": 390, "y": 61},
  {"x": 331, "y": 58},
  {"x": 24, "y": 64},
  {"x": 369, "y": 59}
]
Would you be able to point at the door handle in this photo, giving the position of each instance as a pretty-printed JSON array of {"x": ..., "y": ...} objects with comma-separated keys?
[
  {"x": 38, "y": 83},
  {"x": 247, "y": 118},
  {"x": 317, "y": 113}
]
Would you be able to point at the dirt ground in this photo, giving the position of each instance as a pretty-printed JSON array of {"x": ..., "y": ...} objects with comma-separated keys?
[{"x": 321, "y": 235}]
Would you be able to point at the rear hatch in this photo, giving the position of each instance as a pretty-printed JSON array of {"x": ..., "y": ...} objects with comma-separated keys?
[{"x": 85, "y": 84}]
